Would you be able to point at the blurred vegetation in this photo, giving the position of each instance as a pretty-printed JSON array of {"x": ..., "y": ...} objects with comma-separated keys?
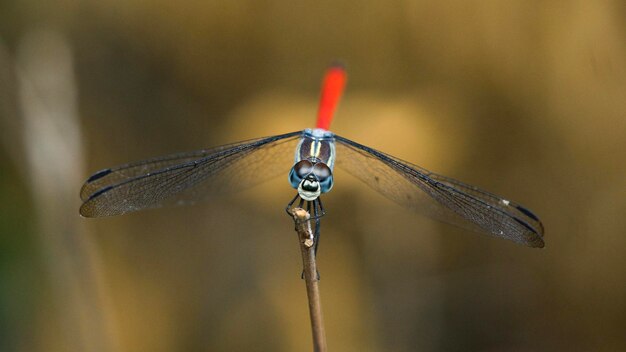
[{"x": 524, "y": 98}]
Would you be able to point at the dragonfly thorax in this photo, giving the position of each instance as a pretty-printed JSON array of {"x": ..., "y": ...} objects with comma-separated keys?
[{"x": 312, "y": 172}]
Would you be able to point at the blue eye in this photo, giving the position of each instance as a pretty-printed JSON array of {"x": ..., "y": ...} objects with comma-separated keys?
[
  {"x": 321, "y": 171},
  {"x": 303, "y": 168}
]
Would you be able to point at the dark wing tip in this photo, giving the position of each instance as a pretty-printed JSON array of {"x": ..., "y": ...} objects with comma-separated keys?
[
  {"x": 527, "y": 212},
  {"x": 88, "y": 187},
  {"x": 533, "y": 238},
  {"x": 88, "y": 209},
  {"x": 535, "y": 241},
  {"x": 531, "y": 215},
  {"x": 99, "y": 192},
  {"x": 99, "y": 175},
  {"x": 85, "y": 211}
]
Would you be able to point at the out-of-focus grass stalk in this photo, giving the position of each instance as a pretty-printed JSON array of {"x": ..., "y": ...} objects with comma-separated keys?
[{"x": 51, "y": 158}]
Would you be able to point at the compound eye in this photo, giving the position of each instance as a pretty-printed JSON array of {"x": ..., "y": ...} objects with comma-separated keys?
[
  {"x": 303, "y": 168},
  {"x": 322, "y": 171}
]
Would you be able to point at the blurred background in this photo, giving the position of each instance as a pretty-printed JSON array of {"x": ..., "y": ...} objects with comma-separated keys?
[{"x": 523, "y": 98}]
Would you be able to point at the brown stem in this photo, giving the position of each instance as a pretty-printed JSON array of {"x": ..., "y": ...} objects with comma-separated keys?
[{"x": 307, "y": 247}]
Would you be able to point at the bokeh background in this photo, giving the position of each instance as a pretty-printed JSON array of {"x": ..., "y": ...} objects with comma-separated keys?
[{"x": 524, "y": 98}]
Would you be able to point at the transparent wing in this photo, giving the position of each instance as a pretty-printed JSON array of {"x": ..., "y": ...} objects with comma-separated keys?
[
  {"x": 187, "y": 177},
  {"x": 438, "y": 196}
]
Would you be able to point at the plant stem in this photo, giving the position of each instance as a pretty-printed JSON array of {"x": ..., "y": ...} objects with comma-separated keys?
[{"x": 307, "y": 248}]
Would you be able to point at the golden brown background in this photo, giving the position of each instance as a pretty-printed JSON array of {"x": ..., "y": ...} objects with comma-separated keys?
[{"x": 524, "y": 98}]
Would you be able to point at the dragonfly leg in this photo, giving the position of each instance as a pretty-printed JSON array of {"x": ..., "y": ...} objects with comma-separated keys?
[
  {"x": 322, "y": 211},
  {"x": 316, "y": 235},
  {"x": 317, "y": 216},
  {"x": 288, "y": 207},
  {"x": 317, "y": 202}
]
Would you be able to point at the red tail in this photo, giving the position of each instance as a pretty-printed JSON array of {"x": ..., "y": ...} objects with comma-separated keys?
[{"x": 332, "y": 88}]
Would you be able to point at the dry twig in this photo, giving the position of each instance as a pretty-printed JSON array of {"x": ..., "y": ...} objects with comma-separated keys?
[{"x": 307, "y": 247}]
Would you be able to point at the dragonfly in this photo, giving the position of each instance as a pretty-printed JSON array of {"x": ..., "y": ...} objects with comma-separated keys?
[{"x": 308, "y": 158}]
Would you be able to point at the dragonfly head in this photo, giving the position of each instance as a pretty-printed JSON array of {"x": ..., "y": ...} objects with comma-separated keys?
[
  {"x": 311, "y": 178},
  {"x": 309, "y": 188}
]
